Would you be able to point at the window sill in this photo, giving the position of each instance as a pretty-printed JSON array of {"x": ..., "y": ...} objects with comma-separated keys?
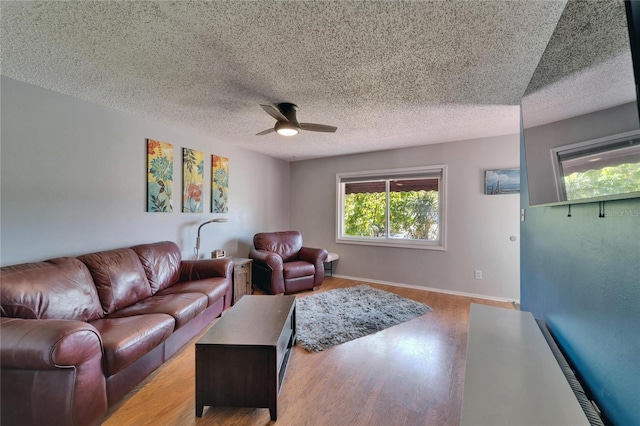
[{"x": 419, "y": 245}]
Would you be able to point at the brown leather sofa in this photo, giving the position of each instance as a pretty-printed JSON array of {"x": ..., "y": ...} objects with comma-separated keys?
[
  {"x": 77, "y": 334},
  {"x": 282, "y": 265}
]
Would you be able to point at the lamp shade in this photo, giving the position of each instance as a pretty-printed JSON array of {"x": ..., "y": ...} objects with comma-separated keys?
[{"x": 287, "y": 128}]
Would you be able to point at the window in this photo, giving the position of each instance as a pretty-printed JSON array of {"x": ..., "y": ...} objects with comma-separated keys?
[
  {"x": 400, "y": 208},
  {"x": 599, "y": 168}
]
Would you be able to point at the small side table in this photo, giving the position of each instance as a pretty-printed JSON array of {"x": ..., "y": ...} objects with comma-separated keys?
[
  {"x": 328, "y": 263},
  {"x": 242, "y": 283}
]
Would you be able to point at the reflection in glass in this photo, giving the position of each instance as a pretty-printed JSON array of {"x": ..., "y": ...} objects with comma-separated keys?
[
  {"x": 599, "y": 168},
  {"x": 583, "y": 89}
]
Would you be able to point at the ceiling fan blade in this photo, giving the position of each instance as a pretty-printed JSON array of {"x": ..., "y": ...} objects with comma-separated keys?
[
  {"x": 313, "y": 127},
  {"x": 265, "y": 132},
  {"x": 274, "y": 112}
]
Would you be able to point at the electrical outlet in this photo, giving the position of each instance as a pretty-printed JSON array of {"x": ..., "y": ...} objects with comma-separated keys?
[{"x": 478, "y": 274}]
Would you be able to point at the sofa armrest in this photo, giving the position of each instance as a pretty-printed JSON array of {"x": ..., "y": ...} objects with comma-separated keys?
[
  {"x": 51, "y": 372},
  {"x": 47, "y": 344},
  {"x": 191, "y": 270},
  {"x": 271, "y": 263},
  {"x": 317, "y": 257}
]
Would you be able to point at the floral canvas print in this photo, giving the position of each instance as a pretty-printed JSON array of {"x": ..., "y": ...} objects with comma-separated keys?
[
  {"x": 159, "y": 176},
  {"x": 219, "y": 184},
  {"x": 192, "y": 180}
]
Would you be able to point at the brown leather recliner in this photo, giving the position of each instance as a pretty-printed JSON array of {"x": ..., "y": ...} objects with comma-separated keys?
[{"x": 282, "y": 265}]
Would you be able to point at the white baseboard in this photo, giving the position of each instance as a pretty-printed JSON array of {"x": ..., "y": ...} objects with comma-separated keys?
[{"x": 437, "y": 290}]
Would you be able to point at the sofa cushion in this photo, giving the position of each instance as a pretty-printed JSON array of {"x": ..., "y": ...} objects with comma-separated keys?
[
  {"x": 119, "y": 278},
  {"x": 287, "y": 243},
  {"x": 161, "y": 263},
  {"x": 213, "y": 288},
  {"x": 182, "y": 307},
  {"x": 59, "y": 288},
  {"x": 127, "y": 339},
  {"x": 298, "y": 269}
]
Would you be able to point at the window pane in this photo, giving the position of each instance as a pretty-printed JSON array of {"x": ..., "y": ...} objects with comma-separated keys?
[
  {"x": 602, "y": 182},
  {"x": 393, "y": 208},
  {"x": 363, "y": 187},
  {"x": 600, "y": 169},
  {"x": 365, "y": 214},
  {"x": 400, "y": 185},
  {"x": 414, "y": 212}
]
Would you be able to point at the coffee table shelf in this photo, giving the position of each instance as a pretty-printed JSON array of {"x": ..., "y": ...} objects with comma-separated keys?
[{"x": 241, "y": 361}]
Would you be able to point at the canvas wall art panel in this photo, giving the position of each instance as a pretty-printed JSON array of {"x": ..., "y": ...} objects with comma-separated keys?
[
  {"x": 192, "y": 180},
  {"x": 219, "y": 184},
  {"x": 159, "y": 176},
  {"x": 502, "y": 181}
]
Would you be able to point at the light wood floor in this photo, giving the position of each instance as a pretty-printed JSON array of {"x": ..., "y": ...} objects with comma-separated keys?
[{"x": 410, "y": 374}]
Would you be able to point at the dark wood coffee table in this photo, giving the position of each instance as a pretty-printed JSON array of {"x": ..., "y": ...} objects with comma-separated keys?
[{"x": 242, "y": 359}]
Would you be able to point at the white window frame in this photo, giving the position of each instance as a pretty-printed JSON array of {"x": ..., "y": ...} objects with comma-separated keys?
[{"x": 394, "y": 174}]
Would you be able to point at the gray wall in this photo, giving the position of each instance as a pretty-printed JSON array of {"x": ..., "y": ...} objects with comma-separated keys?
[
  {"x": 74, "y": 180},
  {"x": 479, "y": 226}
]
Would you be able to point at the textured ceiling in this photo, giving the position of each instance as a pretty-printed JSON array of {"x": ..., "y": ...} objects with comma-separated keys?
[
  {"x": 586, "y": 67},
  {"x": 387, "y": 74}
]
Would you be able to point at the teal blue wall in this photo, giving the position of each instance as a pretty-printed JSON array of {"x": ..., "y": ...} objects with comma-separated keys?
[{"x": 581, "y": 275}]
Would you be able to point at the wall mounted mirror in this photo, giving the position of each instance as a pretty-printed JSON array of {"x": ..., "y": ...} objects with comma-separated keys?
[{"x": 580, "y": 111}]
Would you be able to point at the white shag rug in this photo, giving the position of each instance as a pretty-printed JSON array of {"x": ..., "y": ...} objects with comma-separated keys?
[{"x": 336, "y": 316}]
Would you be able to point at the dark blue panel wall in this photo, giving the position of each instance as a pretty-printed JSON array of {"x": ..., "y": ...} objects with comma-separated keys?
[{"x": 582, "y": 276}]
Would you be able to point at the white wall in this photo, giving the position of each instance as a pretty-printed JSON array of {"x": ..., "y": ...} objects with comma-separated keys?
[
  {"x": 73, "y": 180},
  {"x": 479, "y": 226}
]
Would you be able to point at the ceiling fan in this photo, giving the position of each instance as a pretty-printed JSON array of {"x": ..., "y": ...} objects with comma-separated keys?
[{"x": 287, "y": 124}]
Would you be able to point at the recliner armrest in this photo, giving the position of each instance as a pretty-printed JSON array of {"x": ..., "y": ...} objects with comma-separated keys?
[
  {"x": 313, "y": 255},
  {"x": 317, "y": 257},
  {"x": 271, "y": 265},
  {"x": 271, "y": 259}
]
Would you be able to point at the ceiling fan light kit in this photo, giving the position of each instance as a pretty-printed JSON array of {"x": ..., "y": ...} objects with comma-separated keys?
[
  {"x": 286, "y": 128},
  {"x": 287, "y": 123}
]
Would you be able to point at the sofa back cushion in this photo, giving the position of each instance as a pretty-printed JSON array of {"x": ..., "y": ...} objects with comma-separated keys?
[
  {"x": 161, "y": 263},
  {"x": 119, "y": 278},
  {"x": 287, "y": 243},
  {"x": 59, "y": 288}
]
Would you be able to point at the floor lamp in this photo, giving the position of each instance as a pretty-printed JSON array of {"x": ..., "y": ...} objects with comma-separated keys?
[{"x": 197, "y": 249}]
